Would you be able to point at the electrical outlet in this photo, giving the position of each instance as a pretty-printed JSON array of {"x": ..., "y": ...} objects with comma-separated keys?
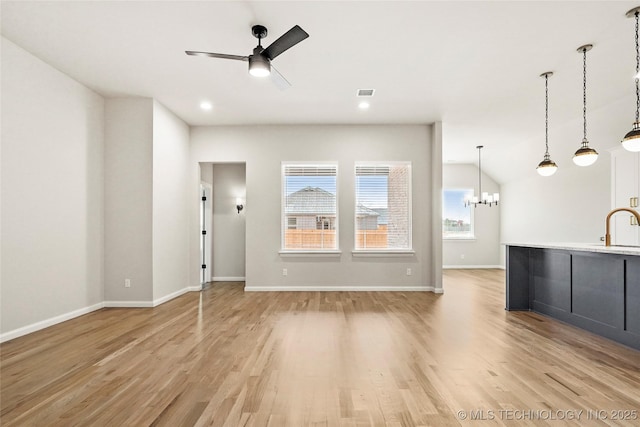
[
  {"x": 127, "y": 283},
  {"x": 462, "y": 256},
  {"x": 284, "y": 271},
  {"x": 408, "y": 272}
]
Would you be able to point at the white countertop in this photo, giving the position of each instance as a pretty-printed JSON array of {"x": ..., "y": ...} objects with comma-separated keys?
[{"x": 587, "y": 247}]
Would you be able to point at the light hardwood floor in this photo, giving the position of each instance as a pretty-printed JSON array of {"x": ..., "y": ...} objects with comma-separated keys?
[{"x": 225, "y": 357}]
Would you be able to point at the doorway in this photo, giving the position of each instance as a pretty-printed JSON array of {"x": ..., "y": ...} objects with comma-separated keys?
[
  {"x": 206, "y": 220},
  {"x": 225, "y": 247}
]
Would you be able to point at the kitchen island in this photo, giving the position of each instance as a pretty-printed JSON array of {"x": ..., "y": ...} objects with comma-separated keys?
[{"x": 594, "y": 287}]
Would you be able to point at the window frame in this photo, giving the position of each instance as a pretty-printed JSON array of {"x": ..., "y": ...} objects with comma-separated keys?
[
  {"x": 472, "y": 235},
  {"x": 284, "y": 220},
  {"x": 406, "y": 251}
]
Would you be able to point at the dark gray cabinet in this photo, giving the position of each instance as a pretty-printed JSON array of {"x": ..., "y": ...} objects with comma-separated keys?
[
  {"x": 632, "y": 300},
  {"x": 551, "y": 280},
  {"x": 599, "y": 292}
]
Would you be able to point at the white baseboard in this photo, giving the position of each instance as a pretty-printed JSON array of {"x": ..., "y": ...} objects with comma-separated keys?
[
  {"x": 149, "y": 304},
  {"x": 475, "y": 267},
  {"x": 128, "y": 304},
  {"x": 227, "y": 279},
  {"x": 339, "y": 289},
  {"x": 49, "y": 322},
  {"x": 162, "y": 300},
  {"x": 77, "y": 313}
]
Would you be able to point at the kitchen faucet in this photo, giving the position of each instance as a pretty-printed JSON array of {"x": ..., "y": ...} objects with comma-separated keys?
[{"x": 607, "y": 236}]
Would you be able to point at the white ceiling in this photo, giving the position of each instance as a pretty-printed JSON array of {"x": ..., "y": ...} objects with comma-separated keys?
[{"x": 472, "y": 65}]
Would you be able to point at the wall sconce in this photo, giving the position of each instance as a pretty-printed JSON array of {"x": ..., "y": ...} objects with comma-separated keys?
[{"x": 239, "y": 205}]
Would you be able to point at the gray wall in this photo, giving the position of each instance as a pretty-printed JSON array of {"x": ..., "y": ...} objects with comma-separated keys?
[
  {"x": 147, "y": 219},
  {"x": 263, "y": 148},
  {"x": 52, "y": 195},
  {"x": 484, "y": 251},
  {"x": 170, "y": 203},
  {"x": 228, "y": 225},
  {"x": 128, "y": 199}
]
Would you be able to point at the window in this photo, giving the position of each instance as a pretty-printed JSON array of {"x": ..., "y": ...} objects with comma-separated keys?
[
  {"x": 457, "y": 221},
  {"x": 309, "y": 212},
  {"x": 292, "y": 223},
  {"x": 325, "y": 223},
  {"x": 383, "y": 206}
]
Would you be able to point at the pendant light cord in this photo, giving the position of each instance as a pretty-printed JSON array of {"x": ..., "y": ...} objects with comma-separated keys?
[
  {"x": 637, "y": 70},
  {"x": 479, "y": 174},
  {"x": 546, "y": 114},
  {"x": 584, "y": 92}
]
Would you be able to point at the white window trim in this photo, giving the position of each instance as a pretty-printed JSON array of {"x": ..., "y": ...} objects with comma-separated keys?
[
  {"x": 384, "y": 251},
  {"x": 470, "y": 238},
  {"x": 308, "y": 252},
  {"x": 373, "y": 253},
  {"x": 460, "y": 239}
]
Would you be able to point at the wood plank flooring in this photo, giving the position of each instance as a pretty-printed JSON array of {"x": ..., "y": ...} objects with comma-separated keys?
[{"x": 225, "y": 357}]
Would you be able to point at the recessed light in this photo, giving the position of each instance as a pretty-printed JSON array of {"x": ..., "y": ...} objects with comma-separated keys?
[
  {"x": 363, "y": 105},
  {"x": 206, "y": 105}
]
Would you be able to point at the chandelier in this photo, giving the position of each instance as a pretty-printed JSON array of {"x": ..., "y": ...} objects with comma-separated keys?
[{"x": 483, "y": 198}]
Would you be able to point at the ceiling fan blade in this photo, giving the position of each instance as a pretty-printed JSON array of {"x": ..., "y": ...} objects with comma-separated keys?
[
  {"x": 289, "y": 39},
  {"x": 217, "y": 55},
  {"x": 278, "y": 79}
]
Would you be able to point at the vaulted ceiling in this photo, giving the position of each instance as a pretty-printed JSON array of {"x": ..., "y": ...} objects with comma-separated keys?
[{"x": 473, "y": 65}]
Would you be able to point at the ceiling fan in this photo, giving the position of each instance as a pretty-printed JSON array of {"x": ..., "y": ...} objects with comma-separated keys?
[{"x": 260, "y": 59}]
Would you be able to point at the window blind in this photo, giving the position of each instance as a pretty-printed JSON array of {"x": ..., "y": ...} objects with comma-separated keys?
[
  {"x": 383, "y": 206},
  {"x": 309, "y": 208}
]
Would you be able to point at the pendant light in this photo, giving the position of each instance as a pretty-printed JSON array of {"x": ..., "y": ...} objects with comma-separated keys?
[
  {"x": 483, "y": 198},
  {"x": 585, "y": 155},
  {"x": 631, "y": 140},
  {"x": 546, "y": 167}
]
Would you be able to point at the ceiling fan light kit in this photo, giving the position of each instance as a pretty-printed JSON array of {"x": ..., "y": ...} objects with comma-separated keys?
[
  {"x": 260, "y": 59},
  {"x": 259, "y": 66}
]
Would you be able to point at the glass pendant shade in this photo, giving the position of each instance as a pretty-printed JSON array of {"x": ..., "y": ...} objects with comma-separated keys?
[
  {"x": 631, "y": 141},
  {"x": 547, "y": 167},
  {"x": 585, "y": 155}
]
